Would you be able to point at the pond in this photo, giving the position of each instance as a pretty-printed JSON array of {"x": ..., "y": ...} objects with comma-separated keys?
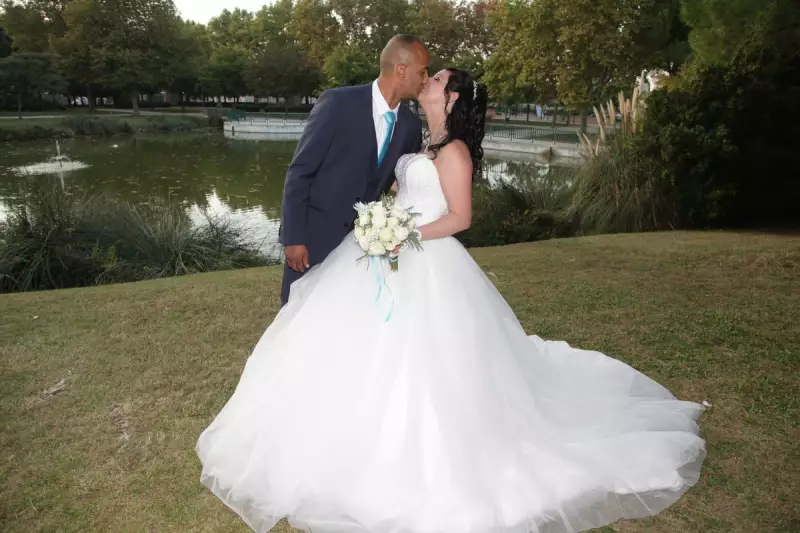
[{"x": 241, "y": 180}]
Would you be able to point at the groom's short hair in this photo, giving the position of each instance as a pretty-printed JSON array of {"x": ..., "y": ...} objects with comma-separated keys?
[{"x": 398, "y": 50}]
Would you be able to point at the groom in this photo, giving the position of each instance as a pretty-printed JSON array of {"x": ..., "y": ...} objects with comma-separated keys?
[{"x": 347, "y": 154}]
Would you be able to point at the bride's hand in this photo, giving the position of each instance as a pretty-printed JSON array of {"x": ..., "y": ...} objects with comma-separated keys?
[{"x": 396, "y": 251}]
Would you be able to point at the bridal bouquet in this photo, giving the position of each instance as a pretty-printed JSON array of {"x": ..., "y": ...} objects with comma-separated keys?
[{"x": 381, "y": 227}]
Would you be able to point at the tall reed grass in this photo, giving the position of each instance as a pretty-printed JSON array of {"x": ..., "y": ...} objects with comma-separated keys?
[
  {"x": 529, "y": 207},
  {"x": 619, "y": 188},
  {"x": 53, "y": 239}
]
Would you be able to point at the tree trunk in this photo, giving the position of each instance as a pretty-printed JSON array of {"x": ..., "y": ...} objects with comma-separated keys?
[
  {"x": 19, "y": 103},
  {"x": 584, "y": 120},
  {"x": 135, "y": 101},
  {"x": 183, "y": 101},
  {"x": 555, "y": 116},
  {"x": 527, "y": 112},
  {"x": 90, "y": 97}
]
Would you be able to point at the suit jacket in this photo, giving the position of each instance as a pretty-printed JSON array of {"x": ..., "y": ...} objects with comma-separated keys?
[{"x": 335, "y": 165}]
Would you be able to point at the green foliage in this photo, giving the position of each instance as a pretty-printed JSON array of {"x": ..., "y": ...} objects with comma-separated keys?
[
  {"x": 580, "y": 52},
  {"x": 134, "y": 53},
  {"x": 54, "y": 239},
  {"x": 191, "y": 52},
  {"x": 233, "y": 29},
  {"x": 529, "y": 207},
  {"x": 26, "y": 25},
  {"x": 94, "y": 126},
  {"x": 224, "y": 74},
  {"x": 620, "y": 190},
  {"x": 282, "y": 70},
  {"x": 726, "y": 137},
  {"x": 5, "y": 44},
  {"x": 717, "y": 26},
  {"x": 349, "y": 65},
  {"x": 436, "y": 23},
  {"x": 29, "y": 73},
  {"x": 316, "y": 30}
]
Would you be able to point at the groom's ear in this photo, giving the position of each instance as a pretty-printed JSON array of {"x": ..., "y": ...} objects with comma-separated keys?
[{"x": 401, "y": 71}]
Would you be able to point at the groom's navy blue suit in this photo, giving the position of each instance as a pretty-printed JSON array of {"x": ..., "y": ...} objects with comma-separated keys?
[{"x": 335, "y": 166}]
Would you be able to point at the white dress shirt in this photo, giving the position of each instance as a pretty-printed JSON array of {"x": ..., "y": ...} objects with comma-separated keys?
[{"x": 379, "y": 107}]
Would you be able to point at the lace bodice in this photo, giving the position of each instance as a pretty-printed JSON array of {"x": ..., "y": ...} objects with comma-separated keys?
[{"x": 418, "y": 187}]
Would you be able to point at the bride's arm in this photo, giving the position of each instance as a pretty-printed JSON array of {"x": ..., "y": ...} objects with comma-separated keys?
[{"x": 455, "y": 175}]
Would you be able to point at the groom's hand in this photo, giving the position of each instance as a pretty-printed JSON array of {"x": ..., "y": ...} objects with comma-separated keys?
[{"x": 297, "y": 257}]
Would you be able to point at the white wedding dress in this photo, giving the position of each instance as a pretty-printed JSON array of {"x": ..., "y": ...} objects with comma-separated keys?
[{"x": 414, "y": 402}]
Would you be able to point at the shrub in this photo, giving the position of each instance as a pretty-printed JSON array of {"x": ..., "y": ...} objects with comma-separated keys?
[
  {"x": 54, "y": 239},
  {"x": 529, "y": 207},
  {"x": 726, "y": 136}
]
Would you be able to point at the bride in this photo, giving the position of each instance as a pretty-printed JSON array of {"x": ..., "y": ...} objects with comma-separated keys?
[{"x": 425, "y": 408}]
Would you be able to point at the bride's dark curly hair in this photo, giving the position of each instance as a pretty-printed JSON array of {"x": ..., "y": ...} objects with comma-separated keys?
[{"x": 466, "y": 120}]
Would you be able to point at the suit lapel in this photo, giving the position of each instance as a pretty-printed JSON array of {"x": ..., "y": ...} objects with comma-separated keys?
[{"x": 370, "y": 133}]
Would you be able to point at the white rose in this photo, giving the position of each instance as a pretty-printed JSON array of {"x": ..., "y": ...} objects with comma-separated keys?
[
  {"x": 378, "y": 222},
  {"x": 378, "y": 211},
  {"x": 401, "y": 233},
  {"x": 363, "y": 219},
  {"x": 389, "y": 246},
  {"x": 363, "y": 242},
  {"x": 392, "y": 222},
  {"x": 376, "y": 248},
  {"x": 386, "y": 235},
  {"x": 359, "y": 232}
]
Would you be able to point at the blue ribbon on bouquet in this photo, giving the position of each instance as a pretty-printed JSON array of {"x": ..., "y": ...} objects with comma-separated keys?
[{"x": 381, "y": 279}]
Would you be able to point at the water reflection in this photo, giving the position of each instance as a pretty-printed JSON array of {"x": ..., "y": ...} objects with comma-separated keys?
[{"x": 239, "y": 179}]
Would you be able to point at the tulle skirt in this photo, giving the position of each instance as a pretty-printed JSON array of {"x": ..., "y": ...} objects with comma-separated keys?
[{"x": 414, "y": 402}]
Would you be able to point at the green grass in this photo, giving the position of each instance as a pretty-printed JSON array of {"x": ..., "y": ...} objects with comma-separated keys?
[
  {"x": 65, "y": 112},
  {"x": 76, "y": 124},
  {"x": 713, "y": 316}
]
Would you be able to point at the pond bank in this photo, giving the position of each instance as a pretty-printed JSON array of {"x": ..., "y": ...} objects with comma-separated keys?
[{"x": 32, "y": 129}]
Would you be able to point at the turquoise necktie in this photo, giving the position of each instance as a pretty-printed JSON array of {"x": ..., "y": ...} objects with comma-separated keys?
[{"x": 389, "y": 118}]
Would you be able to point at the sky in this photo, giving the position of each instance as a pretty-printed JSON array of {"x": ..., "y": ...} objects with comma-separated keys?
[{"x": 203, "y": 10}]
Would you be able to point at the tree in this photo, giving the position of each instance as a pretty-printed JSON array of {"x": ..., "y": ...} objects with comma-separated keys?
[
  {"x": 85, "y": 29},
  {"x": 272, "y": 24},
  {"x": 479, "y": 40},
  {"x": 26, "y": 26},
  {"x": 233, "y": 29},
  {"x": 190, "y": 54},
  {"x": 369, "y": 24},
  {"x": 583, "y": 51},
  {"x": 134, "y": 53},
  {"x": 520, "y": 28},
  {"x": 282, "y": 70},
  {"x": 718, "y": 25},
  {"x": 662, "y": 38},
  {"x": 33, "y": 23},
  {"x": 436, "y": 23},
  {"x": 350, "y": 65},
  {"x": 29, "y": 72},
  {"x": 316, "y": 30},
  {"x": 224, "y": 74},
  {"x": 5, "y": 44},
  {"x": 715, "y": 135}
]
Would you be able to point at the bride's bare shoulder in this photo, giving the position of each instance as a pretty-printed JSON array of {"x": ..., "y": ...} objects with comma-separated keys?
[
  {"x": 456, "y": 149},
  {"x": 455, "y": 155}
]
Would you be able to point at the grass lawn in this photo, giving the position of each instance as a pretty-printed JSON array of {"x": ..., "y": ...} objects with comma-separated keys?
[
  {"x": 67, "y": 112},
  {"x": 713, "y": 316}
]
